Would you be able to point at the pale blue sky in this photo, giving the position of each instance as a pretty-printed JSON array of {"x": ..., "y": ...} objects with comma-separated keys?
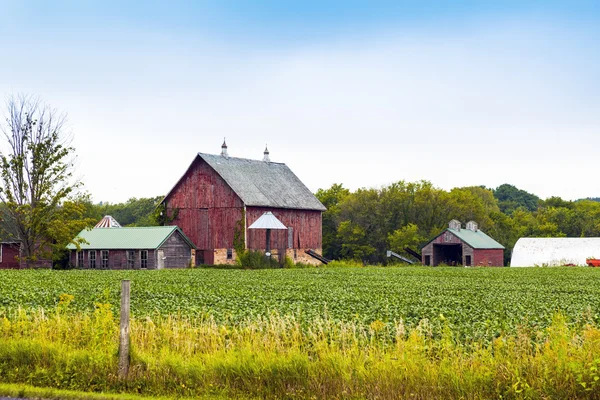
[{"x": 359, "y": 93}]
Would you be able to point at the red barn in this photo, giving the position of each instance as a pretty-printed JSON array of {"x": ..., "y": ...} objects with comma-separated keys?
[
  {"x": 468, "y": 247},
  {"x": 219, "y": 197}
]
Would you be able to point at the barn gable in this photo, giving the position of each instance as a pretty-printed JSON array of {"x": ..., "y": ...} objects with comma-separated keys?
[
  {"x": 457, "y": 246},
  {"x": 260, "y": 183}
]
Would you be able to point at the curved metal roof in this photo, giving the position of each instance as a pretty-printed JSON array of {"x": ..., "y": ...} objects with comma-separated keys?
[{"x": 551, "y": 252}]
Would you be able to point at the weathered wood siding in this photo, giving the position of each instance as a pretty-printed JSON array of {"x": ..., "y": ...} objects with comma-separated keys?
[
  {"x": 306, "y": 232},
  {"x": 10, "y": 253},
  {"x": 177, "y": 251},
  {"x": 117, "y": 259},
  {"x": 206, "y": 208}
]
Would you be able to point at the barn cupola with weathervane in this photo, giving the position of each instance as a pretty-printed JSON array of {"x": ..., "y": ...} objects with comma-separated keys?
[
  {"x": 266, "y": 155},
  {"x": 224, "y": 149}
]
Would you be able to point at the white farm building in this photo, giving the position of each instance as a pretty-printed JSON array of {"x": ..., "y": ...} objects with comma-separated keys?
[{"x": 552, "y": 252}]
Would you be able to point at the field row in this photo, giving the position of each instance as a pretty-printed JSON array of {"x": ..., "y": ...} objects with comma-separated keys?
[{"x": 477, "y": 303}]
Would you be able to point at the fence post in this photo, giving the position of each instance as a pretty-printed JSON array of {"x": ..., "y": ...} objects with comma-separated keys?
[{"x": 124, "y": 330}]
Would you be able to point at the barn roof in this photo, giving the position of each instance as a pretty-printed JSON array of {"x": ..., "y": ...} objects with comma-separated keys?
[
  {"x": 148, "y": 237},
  {"x": 530, "y": 252},
  {"x": 476, "y": 239},
  {"x": 262, "y": 184}
]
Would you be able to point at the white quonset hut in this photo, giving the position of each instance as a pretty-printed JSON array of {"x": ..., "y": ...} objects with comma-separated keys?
[{"x": 553, "y": 252}]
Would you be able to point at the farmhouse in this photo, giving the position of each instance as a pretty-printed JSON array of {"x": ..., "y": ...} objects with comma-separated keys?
[
  {"x": 109, "y": 246},
  {"x": 220, "y": 197},
  {"x": 457, "y": 246},
  {"x": 552, "y": 252}
]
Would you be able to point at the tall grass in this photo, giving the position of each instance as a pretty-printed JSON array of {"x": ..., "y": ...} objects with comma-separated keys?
[{"x": 278, "y": 357}]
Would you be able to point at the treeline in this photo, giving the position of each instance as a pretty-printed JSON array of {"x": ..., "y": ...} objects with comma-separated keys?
[
  {"x": 363, "y": 224},
  {"x": 133, "y": 212}
]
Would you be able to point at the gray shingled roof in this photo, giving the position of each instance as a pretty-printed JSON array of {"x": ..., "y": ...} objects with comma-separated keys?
[{"x": 263, "y": 184}]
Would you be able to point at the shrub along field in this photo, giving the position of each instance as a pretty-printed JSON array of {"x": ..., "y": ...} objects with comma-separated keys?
[{"x": 302, "y": 333}]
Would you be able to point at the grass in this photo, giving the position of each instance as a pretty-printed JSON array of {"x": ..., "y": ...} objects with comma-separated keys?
[{"x": 276, "y": 357}]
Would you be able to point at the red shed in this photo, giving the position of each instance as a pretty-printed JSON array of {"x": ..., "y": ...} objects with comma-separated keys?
[
  {"x": 457, "y": 246},
  {"x": 9, "y": 255},
  {"x": 219, "y": 197}
]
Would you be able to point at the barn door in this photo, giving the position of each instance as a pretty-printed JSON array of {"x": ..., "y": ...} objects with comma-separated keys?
[{"x": 160, "y": 262}]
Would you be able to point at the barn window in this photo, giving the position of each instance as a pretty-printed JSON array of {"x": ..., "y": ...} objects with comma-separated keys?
[
  {"x": 80, "y": 259},
  {"x": 229, "y": 254},
  {"x": 467, "y": 261},
  {"x": 447, "y": 237},
  {"x": 92, "y": 258},
  {"x": 130, "y": 259},
  {"x": 290, "y": 237},
  {"x": 104, "y": 258},
  {"x": 144, "y": 259},
  {"x": 427, "y": 260}
]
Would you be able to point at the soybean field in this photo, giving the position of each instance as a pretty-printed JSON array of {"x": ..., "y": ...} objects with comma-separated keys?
[{"x": 477, "y": 303}]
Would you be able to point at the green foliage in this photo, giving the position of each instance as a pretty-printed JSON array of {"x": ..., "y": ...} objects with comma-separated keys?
[
  {"x": 40, "y": 207},
  {"x": 136, "y": 212},
  {"x": 477, "y": 303},
  {"x": 255, "y": 259},
  {"x": 510, "y": 198},
  {"x": 331, "y": 198},
  {"x": 407, "y": 236},
  {"x": 239, "y": 239},
  {"x": 311, "y": 333},
  {"x": 362, "y": 225}
]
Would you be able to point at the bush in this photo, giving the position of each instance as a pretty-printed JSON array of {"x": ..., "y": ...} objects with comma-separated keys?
[{"x": 255, "y": 259}]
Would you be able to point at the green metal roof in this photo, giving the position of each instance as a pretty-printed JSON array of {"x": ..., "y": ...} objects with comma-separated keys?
[
  {"x": 147, "y": 237},
  {"x": 476, "y": 239}
]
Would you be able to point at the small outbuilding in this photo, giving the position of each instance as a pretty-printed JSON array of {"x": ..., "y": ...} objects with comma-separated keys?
[
  {"x": 457, "y": 246},
  {"x": 114, "y": 247},
  {"x": 9, "y": 255},
  {"x": 553, "y": 252}
]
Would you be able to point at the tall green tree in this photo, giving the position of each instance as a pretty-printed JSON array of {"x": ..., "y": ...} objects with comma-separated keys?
[
  {"x": 510, "y": 198},
  {"x": 331, "y": 199},
  {"x": 37, "y": 189}
]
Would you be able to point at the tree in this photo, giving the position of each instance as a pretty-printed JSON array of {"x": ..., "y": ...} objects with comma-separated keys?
[
  {"x": 331, "y": 199},
  {"x": 510, "y": 198},
  {"x": 38, "y": 193}
]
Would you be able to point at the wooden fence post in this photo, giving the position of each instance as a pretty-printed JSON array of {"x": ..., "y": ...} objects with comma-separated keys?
[{"x": 124, "y": 330}]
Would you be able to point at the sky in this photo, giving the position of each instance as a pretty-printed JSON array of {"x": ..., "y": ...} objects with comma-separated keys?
[{"x": 362, "y": 93}]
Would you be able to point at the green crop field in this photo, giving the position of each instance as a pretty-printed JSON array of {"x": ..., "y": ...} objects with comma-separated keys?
[
  {"x": 477, "y": 303},
  {"x": 315, "y": 333}
]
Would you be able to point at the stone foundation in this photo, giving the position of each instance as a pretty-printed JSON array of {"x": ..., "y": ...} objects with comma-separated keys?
[{"x": 296, "y": 255}]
